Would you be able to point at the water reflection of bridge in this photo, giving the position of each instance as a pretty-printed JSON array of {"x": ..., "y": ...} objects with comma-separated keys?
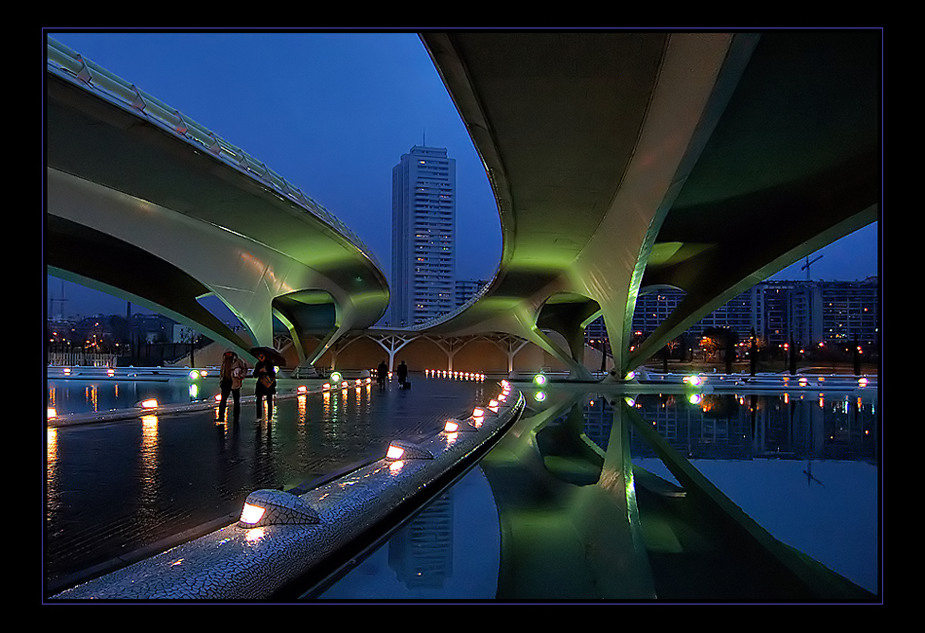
[{"x": 672, "y": 536}]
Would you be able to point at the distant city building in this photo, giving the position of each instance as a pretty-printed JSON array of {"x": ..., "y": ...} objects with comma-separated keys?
[
  {"x": 808, "y": 313},
  {"x": 423, "y": 236}
]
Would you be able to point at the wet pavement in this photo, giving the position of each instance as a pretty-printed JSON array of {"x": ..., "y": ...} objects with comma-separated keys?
[{"x": 118, "y": 489}]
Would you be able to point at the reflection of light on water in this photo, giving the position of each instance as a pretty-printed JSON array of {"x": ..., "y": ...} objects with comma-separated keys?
[
  {"x": 148, "y": 463},
  {"x": 91, "y": 394}
]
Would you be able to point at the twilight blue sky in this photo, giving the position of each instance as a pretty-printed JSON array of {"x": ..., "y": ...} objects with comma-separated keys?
[{"x": 332, "y": 113}]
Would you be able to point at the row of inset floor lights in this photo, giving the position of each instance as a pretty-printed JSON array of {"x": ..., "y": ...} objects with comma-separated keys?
[
  {"x": 445, "y": 373},
  {"x": 268, "y": 507}
]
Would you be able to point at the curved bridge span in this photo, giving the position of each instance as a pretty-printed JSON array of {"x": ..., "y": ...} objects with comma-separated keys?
[{"x": 150, "y": 206}]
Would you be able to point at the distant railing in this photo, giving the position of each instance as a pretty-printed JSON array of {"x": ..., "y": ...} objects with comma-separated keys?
[
  {"x": 83, "y": 72},
  {"x": 431, "y": 322},
  {"x": 69, "y": 359}
]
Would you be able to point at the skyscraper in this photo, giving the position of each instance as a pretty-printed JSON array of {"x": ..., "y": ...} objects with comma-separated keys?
[{"x": 423, "y": 236}]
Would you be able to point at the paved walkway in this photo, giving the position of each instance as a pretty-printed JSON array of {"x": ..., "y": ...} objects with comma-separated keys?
[{"x": 117, "y": 489}]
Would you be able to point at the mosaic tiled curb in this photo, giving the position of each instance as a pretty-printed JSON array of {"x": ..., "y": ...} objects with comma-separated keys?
[{"x": 252, "y": 563}]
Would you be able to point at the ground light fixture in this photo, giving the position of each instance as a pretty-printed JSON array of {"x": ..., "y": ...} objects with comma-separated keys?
[
  {"x": 275, "y": 507},
  {"x": 336, "y": 377},
  {"x": 456, "y": 426},
  {"x": 149, "y": 403},
  {"x": 403, "y": 450},
  {"x": 540, "y": 380}
]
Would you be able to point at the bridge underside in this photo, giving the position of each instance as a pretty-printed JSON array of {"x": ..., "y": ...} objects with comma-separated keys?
[
  {"x": 141, "y": 211},
  {"x": 620, "y": 161}
]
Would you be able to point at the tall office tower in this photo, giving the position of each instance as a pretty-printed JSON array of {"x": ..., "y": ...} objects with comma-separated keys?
[{"x": 423, "y": 236}]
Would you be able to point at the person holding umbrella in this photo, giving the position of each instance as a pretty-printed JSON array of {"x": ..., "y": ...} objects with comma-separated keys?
[
  {"x": 231, "y": 378},
  {"x": 265, "y": 373}
]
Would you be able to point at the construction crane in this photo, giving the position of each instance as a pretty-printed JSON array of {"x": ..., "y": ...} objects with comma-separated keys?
[{"x": 808, "y": 264}]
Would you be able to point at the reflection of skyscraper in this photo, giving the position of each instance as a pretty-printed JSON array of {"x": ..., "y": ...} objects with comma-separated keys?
[
  {"x": 422, "y": 553},
  {"x": 423, "y": 236}
]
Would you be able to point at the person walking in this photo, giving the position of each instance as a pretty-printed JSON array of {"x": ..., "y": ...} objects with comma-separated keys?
[
  {"x": 265, "y": 374},
  {"x": 382, "y": 373},
  {"x": 231, "y": 379},
  {"x": 402, "y": 374}
]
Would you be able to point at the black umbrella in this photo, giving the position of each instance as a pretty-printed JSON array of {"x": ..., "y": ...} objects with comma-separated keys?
[{"x": 272, "y": 355}]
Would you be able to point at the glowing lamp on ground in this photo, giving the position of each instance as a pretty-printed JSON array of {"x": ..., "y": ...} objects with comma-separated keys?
[
  {"x": 401, "y": 450},
  {"x": 539, "y": 396},
  {"x": 694, "y": 381},
  {"x": 862, "y": 382},
  {"x": 252, "y": 514},
  {"x": 194, "y": 375},
  {"x": 630, "y": 375},
  {"x": 456, "y": 426},
  {"x": 540, "y": 380},
  {"x": 150, "y": 403},
  {"x": 336, "y": 377},
  {"x": 52, "y": 413},
  {"x": 302, "y": 389},
  {"x": 326, "y": 386},
  {"x": 275, "y": 507}
]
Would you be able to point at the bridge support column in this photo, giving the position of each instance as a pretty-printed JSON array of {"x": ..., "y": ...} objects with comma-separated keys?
[{"x": 392, "y": 343}]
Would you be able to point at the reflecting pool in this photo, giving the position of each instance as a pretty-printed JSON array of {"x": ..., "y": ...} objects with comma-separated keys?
[
  {"x": 114, "y": 488},
  {"x": 532, "y": 523},
  {"x": 98, "y": 394}
]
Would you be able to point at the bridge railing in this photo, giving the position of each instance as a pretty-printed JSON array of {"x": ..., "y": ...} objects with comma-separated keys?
[
  {"x": 83, "y": 72},
  {"x": 431, "y": 322}
]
